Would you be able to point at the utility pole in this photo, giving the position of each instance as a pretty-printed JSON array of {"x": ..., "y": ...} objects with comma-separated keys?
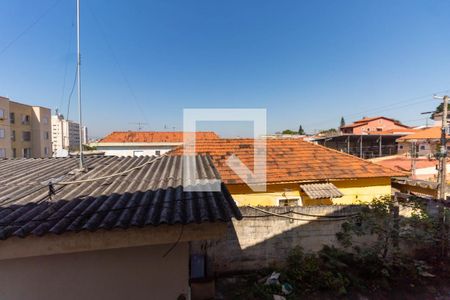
[
  {"x": 413, "y": 158},
  {"x": 442, "y": 155}
]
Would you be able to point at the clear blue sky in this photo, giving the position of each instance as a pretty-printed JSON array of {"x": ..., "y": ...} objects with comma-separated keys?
[{"x": 307, "y": 62}]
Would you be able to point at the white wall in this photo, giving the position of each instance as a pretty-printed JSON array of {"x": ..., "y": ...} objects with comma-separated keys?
[
  {"x": 134, "y": 150},
  {"x": 127, "y": 273}
]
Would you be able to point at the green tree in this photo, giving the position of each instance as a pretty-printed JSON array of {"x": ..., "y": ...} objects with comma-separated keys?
[
  {"x": 439, "y": 109},
  {"x": 300, "y": 130},
  {"x": 288, "y": 131},
  {"x": 329, "y": 132}
]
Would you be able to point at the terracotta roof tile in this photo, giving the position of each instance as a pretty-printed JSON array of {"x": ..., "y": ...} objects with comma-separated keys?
[
  {"x": 290, "y": 160},
  {"x": 153, "y": 136},
  {"x": 427, "y": 133}
]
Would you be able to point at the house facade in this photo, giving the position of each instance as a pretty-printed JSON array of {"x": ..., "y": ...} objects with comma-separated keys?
[
  {"x": 139, "y": 143},
  {"x": 24, "y": 130},
  {"x": 425, "y": 142},
  {"x": 115, "y": 234},
  {"x": 372, "y": 125},
  {"x": 299, "y": 173}
]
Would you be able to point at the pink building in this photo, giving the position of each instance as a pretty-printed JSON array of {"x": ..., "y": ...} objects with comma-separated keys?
[{"x": 372, "y": 125}]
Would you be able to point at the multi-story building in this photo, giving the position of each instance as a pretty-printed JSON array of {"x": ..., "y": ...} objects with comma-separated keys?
[
  {"x": 65, "y": 134},
  {"x": 84, "y": 135},
  {"x": 24, "y": 130},
  {"x": 370, "y": 125}
]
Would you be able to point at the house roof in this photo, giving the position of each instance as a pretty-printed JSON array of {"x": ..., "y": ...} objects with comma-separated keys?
[
  {"x": 290, "y": 160},
  {"x": 404, "y": 163},
  {"x": 365, "y": 121},
  {"x": 150, "y": 194},
  {"x": 424, "y": 134},
  {"x": 321, "y": 190},
  {"x": 153, "y": 136}
]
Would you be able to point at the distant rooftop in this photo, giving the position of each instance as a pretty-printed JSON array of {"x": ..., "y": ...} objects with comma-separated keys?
[
  {"x": 290, "y": 160},
  {"x": 154, "y": 136}
]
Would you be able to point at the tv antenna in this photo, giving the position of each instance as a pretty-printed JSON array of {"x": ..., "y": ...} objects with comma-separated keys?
[{"x": 139, "y": 124}]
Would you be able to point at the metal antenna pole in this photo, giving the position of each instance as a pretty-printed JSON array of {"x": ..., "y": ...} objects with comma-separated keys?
[{"x": 79, "y": 86}]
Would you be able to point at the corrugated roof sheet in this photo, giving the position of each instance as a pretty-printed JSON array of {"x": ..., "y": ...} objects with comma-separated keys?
[
  {"x": 150, "y": 195},
  {"x": 321, "y": 190},
  {"x": 290, "y": 160},
  {"x": 154, "y": 136}
]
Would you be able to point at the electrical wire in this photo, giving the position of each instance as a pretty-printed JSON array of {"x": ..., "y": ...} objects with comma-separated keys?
[
  {"x": 176, "y": 242},
  {"x": 71, "y": 92},
  {"x": 393, "y": 106},
  {"x": 299, "y": 219},
  {"x": 171, "y": 205},
  {"x": 116, "y": 61},
  {"x": 111, "y": 175},
  {"x": 69, "y": 44},
  {"x": 29, "y": 27}
]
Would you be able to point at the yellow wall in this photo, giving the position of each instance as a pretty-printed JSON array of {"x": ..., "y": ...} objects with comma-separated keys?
[{"x": 354, "y": 191}]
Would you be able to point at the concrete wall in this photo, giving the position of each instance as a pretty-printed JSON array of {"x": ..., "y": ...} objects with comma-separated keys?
[
  {"x": 5, "y": 142},
  {"x": 424, "y": 147},
  {"x": 133, "y": 150},
  {"x": 260, "y": 241},
  {"x": 128, "y": 273},
  {"x": 354, "y": 191},
  {"x": 41, "y": 132},
  {"x": 20, "y": 110}
]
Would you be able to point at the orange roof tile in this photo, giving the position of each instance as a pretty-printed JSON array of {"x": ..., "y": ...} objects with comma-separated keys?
[
  {"x": 290, "y": 160},
  {"x": 427, "y": 133},
  {"x": 404, "y": 163},
  {"x": 153, "y": 136},
  {"x": 366, "y": 120}
]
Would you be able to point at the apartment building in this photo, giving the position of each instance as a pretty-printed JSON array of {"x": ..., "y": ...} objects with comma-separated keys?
[
  {"x": 65, "y": 134},
  {"x": 24, "y": 130}
]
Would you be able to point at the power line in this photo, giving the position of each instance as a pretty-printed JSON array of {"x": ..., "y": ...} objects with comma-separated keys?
[
  {"x": 116, "y": 60},
  {"x": 71, "y": 91},
  {"x": 28, "y": 28},
  {"x": 393, "y": 106},
  {"x": 69, "y": 44}
]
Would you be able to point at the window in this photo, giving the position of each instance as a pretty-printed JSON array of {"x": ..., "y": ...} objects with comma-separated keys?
[
  {"x": 288, "y": 201},
  {"x": 26, "y": 152},
  {"x": 422, "y": 147},
  {"x": 13, "y": 135},
  {"x": 45, "y": 120},
  {"x": 46, "y": 135},
  {"x": 25, "y": 119},
  {"x": 2, "y": 133},
  {"x": 400, "y": 147},
  {"x": 26, "y": 136},
  {"x": 45, "y": 151},
  {"x": 158, "y": 152},
  {"x": 12, "y": 118},
  {"x": 2, "y": 114},
  {"x": 14, "y": 153},
  {"x": 2, "y": 152}
]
